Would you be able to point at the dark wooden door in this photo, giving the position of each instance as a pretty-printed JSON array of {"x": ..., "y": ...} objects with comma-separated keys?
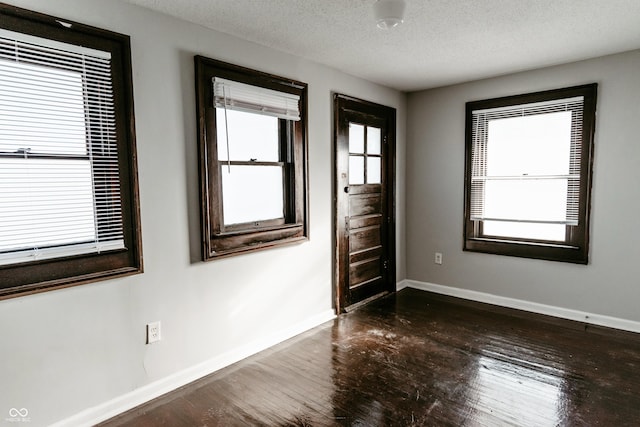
[{"x": 364, "y": 200}]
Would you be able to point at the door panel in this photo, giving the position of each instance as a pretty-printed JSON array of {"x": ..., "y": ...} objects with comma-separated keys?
[
  {"x": 364, "y": 182},
  {"x": 365, "y": 221},
  {"x": 365, "y": 255},
  {"x": 364, "y": 239},
  {"x": 364, "y": 204},
  {"x": 364, "y": 271}
]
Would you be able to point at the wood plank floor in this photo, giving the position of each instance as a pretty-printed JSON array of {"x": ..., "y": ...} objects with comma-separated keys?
[{"x": 419, "y": 359}]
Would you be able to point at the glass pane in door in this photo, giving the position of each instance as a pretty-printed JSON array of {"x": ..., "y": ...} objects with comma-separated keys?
[
  {"x": 373, "y": 140},
  {"x": 356, "y": 138},
  {"x": 356, "y": 170},
  {"x": 373, "y": 170}
]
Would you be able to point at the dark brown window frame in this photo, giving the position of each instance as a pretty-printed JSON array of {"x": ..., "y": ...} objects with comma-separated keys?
[
  {"x": 39, "y": 276},
  {"x": 219, "y": 240},
  {"x": 575, "y": 248}
]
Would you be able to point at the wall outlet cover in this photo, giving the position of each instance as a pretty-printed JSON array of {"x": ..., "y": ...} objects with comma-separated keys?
[{"x": 153, "y": 332}]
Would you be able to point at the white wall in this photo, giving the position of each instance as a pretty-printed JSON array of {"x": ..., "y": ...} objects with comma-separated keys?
[
  {"x": 610, "y": 284},
  {"x": 69, "y": 350}
]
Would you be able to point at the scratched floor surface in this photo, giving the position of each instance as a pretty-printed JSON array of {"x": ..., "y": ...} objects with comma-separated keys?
[{"x": 418, "y": 359}]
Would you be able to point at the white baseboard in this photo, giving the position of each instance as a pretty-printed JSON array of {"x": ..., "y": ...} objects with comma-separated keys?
[
  {"x": 402, "y": 284},
  {"x": 564, "y": 313},
  {"x": 120, "y": 404}
]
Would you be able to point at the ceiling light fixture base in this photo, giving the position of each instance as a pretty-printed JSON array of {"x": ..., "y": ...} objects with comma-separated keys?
[{"x": 389, "y": 13}]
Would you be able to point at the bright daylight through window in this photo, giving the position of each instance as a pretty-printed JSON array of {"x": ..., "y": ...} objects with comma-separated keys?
[
  {"x": 50, "y": 203},
  {"x": 528, "y": 174},
  {"x": 62, "y": 193},
  {"x": 251, "y": 191}
]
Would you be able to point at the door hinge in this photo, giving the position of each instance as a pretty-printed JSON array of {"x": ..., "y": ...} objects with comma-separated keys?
[
  {"x": 385, "y": 264},
  {"x": 346, "y": 223}
]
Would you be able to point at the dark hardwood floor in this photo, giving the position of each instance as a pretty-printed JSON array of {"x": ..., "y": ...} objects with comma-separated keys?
[{"x": 420, "y": 359}]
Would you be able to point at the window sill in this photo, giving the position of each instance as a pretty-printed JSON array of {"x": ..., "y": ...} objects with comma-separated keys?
[
  {"x": 524, "y": 243},
  {"x": 238, "y": 242},
  {"x": 19, "y": 291},
  {"x": 534, "y": 250},
  {"x": 223, "y": 253},
  {"x": 256, "y": 230}
]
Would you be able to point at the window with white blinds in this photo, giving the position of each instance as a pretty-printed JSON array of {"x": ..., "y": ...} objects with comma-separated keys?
[
  {"x": 59, "y": 178},
  {"x": 233, "y": 95},
  {"x": 528, "y": 174},
  {"x": 250, "y": 151},
  {"x": 526, "y": 162},
  {"x": 253, "y": 158}
]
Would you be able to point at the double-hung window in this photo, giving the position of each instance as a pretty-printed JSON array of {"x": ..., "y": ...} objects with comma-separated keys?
[
  {"x": 528, "y": 174},
  {"x": 68, "y": 200},
  {"x": 252, "y": 158}
]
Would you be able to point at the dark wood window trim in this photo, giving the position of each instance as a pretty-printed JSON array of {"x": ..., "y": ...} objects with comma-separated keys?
[
  {"x": 38, "y": 276},
  {"x": 220, "y": 240},
  {"x": 575, "y": 248}
]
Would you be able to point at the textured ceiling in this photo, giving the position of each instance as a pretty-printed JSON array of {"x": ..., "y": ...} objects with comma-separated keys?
[{"x": 441, "y": 41}]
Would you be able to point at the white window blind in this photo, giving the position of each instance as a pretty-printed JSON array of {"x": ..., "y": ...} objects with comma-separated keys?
[
  {"x": 233, "y": 95},
  {"x": 526, "y": 162},
  {"x": 59, "y": 178}
]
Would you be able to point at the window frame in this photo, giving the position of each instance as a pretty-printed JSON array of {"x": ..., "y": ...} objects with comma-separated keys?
[
  {"x": 55, "y": 273},
  {"x": 219, "y": 240},
  {"x": 575, "y": 248}
]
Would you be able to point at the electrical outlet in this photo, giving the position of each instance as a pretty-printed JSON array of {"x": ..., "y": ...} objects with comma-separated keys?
[
  {"x": 153, "y": 332},
  {"x": 438, "y": 258}
]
